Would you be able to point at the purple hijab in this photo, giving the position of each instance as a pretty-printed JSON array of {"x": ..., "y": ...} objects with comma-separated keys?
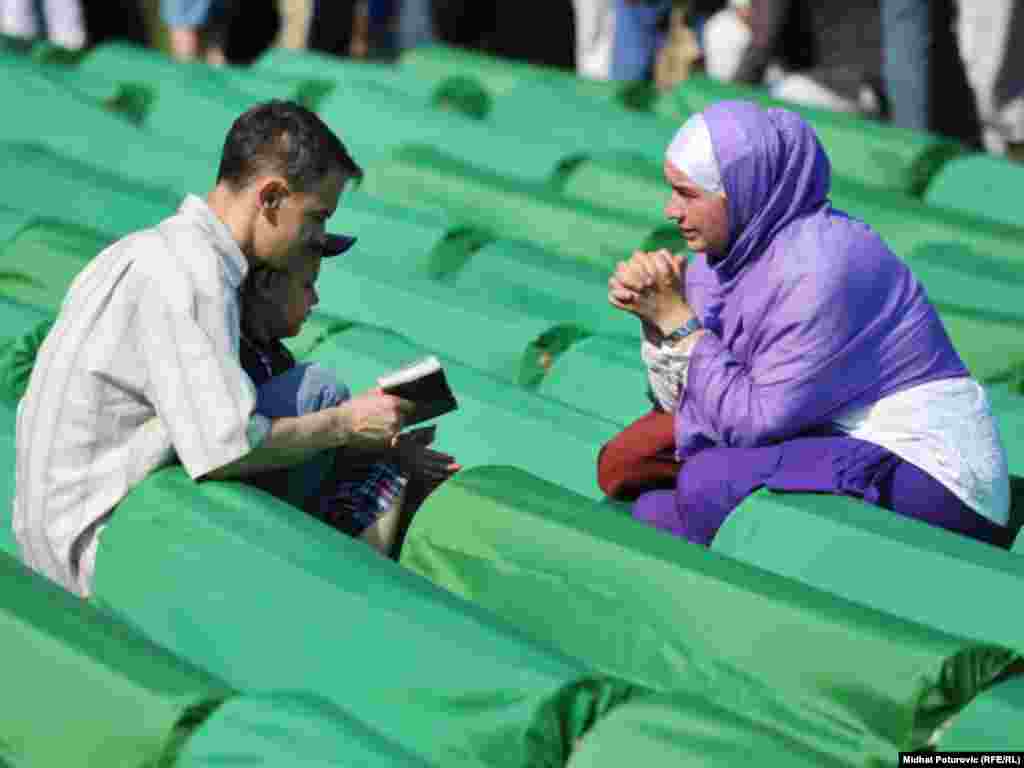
[{"x": 808, "y": 312}]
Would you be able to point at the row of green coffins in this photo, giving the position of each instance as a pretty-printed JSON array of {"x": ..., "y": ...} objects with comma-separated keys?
[
  {"x": 173, "y": 96},
  {"x": 862, "y": 150},
  {"x": 85, "y": 689},
  {"x": 621, "y": 196}
]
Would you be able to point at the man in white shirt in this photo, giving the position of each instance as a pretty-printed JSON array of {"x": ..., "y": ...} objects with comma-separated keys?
[{"x": 142, "y": 364}]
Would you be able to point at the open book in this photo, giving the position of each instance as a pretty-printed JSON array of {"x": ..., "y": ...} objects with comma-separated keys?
[{"x": 422, "y": 382}]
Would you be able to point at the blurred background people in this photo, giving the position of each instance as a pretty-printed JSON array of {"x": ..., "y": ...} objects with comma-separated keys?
[
  {"x": 60, "y": 21},
  {"x": 640, "y": 30},
  {"x": 539, "y": 32},
  {"x": 829, "y": 52},
  {"x": 220, "y": 31},
  {"x": 726, "y": 39},
  {"x": 924, "y": 68},
  {"x": 595, "y": 36},
  {"x": 991, "y": 42}
]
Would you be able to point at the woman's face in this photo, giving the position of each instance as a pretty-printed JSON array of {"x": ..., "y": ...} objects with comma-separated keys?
[{"x": 702, "y": 217}]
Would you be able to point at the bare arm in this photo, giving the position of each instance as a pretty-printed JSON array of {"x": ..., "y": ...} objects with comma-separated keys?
[
  {"x": 291, "y": 441},
  {"x": 370, "y": 421}
]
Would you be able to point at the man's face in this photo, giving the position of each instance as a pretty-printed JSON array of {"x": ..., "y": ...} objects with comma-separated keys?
[
  {"x": 291, "y": 221},
  {"x": 702, "y": 217}
]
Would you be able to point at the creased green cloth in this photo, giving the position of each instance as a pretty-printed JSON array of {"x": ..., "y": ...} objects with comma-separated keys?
[
  {"x": 83, "y": 689},
  {"x": 993, "y": 721},
  {"x": 17, "y": 358},
  {"x": 918, "y": 571},
  {"x": 269, "y": 598},
  {"x": 736, "y": 722},
  {"x": 422, "y": 176},
  {"x": 648, "y": 607},
  {"x": 293, "y": 729}
]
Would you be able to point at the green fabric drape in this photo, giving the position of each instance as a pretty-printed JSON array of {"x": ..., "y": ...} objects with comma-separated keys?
[
  {"x": 980, "y": 185},
  {"x": 85, "y": 689},
  {"x": 267, "y": 597},
  {"x": 602, "y": 375},
  {"x": 917, "y": 571},
  {"x": 736, "y": 722},
  {"x": 39, "y": 109},
  {"x": 298, "y": 730},
  {"x": 521, "y": 274},
  {"x": 89, "y": 197},
  {"x": 40, "y": 262},
  {"x": 423, "y": 176},
  {"x": 992, "y": 722},
  {"x": 648, "y": 607},
  {"x": 500, "y": 340}
]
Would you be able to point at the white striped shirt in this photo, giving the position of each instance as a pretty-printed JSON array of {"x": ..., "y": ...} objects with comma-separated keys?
[{"x": 140, "y": 367}]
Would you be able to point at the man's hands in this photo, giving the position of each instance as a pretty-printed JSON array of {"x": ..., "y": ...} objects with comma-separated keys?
[
  {"x": 373, "y": 420},
  {"x": 649, "y": 286}
]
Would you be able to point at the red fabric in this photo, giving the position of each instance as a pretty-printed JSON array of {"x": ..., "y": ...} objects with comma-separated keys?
[{"x": 640, "y": 458}]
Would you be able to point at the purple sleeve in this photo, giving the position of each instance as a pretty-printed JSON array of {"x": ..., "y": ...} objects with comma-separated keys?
[{"x": 817, "y": 343}]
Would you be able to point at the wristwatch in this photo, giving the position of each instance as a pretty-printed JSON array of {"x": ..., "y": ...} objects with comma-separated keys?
[{"x": 690, "y": 326}]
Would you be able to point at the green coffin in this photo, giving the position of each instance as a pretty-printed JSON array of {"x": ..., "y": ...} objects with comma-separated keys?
[
  {"x": 520, "y": 274},
  {"x": 601, "y": 375},
  {"x": 651, "y": 608},
  {"x": 737, "y": 722},
  {"x": 990, "y": 723},
  {"x": 298, "y": 730},
  {"x": 84, "y": 689},
  {"x": 374, "y": 121},
  {"x": 269, "y": 598},
  {"x": 504, "y": 341},
  {"x": 41, "y": 261},
  {"x": 104, "y": 201},
  {"x": 880, "y": 559},
  {"x": 40, "y": 110},
  {"x": 1008, "y": 408},
  {"x": 472, "y": 81},
  {"x": 422, "y": 176},
  {"x": 981, "y": 185}
]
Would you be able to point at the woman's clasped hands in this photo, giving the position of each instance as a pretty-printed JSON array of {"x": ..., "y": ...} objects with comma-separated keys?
[{"x": 650, "y": 286}]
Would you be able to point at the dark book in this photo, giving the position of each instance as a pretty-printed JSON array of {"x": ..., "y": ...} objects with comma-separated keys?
[{"x": 421, "y": 382}]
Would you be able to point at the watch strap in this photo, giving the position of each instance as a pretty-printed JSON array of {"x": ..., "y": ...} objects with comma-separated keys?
[{"x": 689, "y": 327}]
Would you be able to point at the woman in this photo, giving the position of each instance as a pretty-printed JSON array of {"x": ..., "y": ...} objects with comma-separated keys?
[
  {"x": 802, "y": 355},
  {"x": 370, "y": 497}
]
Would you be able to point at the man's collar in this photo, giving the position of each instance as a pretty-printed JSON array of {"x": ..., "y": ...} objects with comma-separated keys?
[{"x": 231, "y": 254}]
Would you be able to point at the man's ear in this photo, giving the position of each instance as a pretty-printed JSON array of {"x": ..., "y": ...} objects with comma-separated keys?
[{"x": 273, "y": 190}]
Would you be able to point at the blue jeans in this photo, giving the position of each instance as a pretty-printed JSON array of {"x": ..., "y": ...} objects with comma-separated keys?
[
  {"x": 306, "y": 388},
  {"x": 906, "y": 59},
  {"x": 637, "y": 38}
]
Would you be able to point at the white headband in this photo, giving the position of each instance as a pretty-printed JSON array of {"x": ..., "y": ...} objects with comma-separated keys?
[{"x": 691, "y": 152}]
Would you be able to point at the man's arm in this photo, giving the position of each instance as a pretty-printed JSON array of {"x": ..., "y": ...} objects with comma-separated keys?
[
  {"x": 290, "y": 441},
  {"x": 370, "y": 421}
]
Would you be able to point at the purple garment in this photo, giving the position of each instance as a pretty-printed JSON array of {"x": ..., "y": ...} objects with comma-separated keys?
[
  {"x": 716, "y": 481},
  {"x": 808, "y": 312}
]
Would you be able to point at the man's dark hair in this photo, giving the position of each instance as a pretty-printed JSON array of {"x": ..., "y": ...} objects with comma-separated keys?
[{"x": 285, "y": 138}]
